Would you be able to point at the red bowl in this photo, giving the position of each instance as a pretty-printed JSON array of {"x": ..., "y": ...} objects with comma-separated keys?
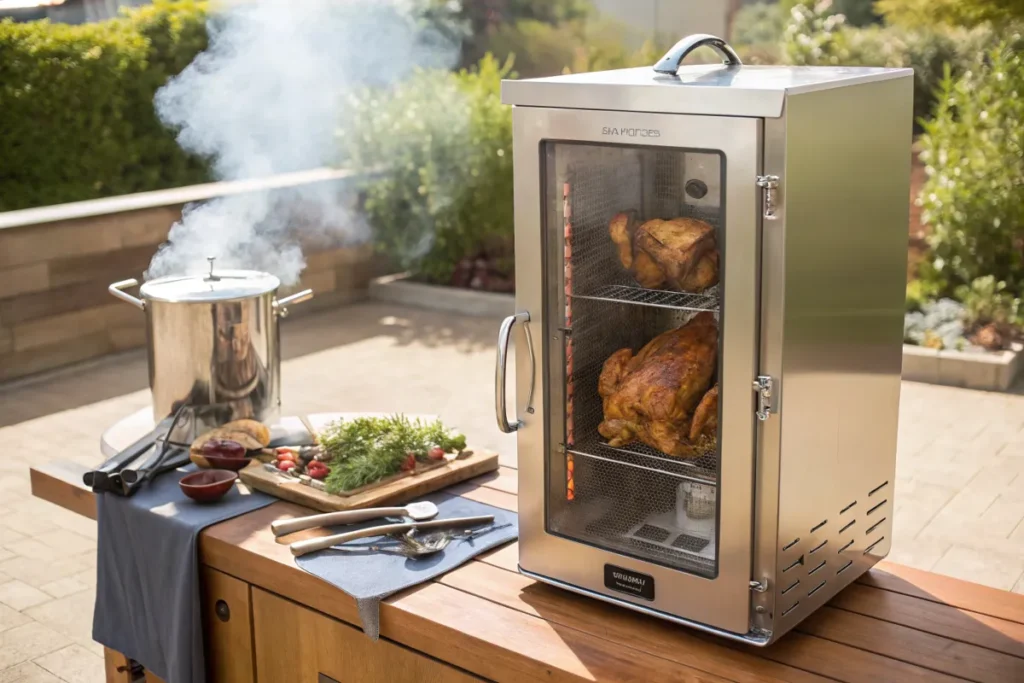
[
  {"x": 222, "y": 462},
  {"x": 207, "y": 486}
]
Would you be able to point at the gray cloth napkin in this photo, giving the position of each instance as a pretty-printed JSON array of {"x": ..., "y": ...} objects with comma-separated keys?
[
  {"x": 147, "y": 573},
  {"x": 370, "y": 576}
]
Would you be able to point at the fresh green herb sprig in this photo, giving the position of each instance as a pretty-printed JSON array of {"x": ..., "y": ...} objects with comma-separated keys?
[{"x": 367, "y": 449}]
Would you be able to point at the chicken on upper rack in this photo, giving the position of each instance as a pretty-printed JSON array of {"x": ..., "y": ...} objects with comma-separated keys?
[
  {"x": 680, "y": 254},
  {"x": 662, "y": 396}
]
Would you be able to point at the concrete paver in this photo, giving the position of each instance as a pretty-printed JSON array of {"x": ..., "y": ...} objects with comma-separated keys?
[{"x": 959, "y": 489}]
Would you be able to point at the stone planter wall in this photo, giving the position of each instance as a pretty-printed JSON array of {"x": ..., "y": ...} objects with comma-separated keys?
[
  {"x": 997, "y": 371},
  {"x": 54, "y": 273}
]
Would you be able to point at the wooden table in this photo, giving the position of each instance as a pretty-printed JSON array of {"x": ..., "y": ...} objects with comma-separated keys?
[{"x": 486, "y": 621}]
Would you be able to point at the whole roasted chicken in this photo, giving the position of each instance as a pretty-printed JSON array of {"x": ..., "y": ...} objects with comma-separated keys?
[
  {"x": 679, "y": 254},
  {"x": 662, "y": 396}
]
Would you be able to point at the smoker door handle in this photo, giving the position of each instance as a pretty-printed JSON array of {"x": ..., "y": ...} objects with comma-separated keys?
[
  {"x": 504, "y": 333},
  {"x": 669, "y": 64}
]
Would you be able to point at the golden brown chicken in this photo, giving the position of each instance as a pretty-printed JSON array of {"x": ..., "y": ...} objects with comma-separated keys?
[
  {"x": 679, "y": 254},
  {"x": 652, "y": 396}
]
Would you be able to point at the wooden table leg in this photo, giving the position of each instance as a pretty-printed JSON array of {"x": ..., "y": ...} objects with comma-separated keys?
[{"x": 116, "y": 666}]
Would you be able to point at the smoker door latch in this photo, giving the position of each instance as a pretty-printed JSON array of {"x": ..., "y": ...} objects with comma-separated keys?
[
  {"x": 770, "y": 185},
  {"x": 764, "y": 385},
  {"x": 759, "y": 586}
]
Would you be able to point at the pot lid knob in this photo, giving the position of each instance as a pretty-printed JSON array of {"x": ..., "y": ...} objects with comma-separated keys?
[{"x": 211, "y": 276}]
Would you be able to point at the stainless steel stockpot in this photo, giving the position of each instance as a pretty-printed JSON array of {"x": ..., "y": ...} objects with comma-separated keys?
[{"x": 213, "y": 341}]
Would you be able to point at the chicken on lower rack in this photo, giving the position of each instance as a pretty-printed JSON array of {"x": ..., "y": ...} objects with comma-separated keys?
[{"x": 662, "y": 396}]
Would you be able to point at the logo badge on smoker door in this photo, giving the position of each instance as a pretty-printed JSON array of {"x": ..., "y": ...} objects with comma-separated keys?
[
  {"x": 629, "y": 581},
  {"x": 631, "y": 132}
]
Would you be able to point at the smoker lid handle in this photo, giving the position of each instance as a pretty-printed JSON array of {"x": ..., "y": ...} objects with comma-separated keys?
[{"x": 669, "y": 64}]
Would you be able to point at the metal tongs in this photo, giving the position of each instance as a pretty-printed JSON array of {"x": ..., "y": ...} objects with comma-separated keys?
[
  {"x": 300, "y": 548},
  {"x": 148, "y": 457}
]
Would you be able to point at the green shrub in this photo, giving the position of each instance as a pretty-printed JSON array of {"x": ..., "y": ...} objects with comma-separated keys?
[
  {"x": 986, "y": 301},
  {"x": 76, "y": 105},
  {"x": 973, "y": 198},
  {"x": 543, "y": 49},
  {"x": 925, "y": 13},
  {"x": 815, "y": 36},
  {"x": 444, "y": 142},
  {"x": 758, "y": 24}
]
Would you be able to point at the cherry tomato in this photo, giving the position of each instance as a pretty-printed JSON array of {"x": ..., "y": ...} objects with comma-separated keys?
[
  {"x": 285, "y": 465},
  {"x": 436, "y": 453},
  {"x": 317, "y": 470},
  {"x": 409, "y": 464},
  {"x": 286, "y": 456}
]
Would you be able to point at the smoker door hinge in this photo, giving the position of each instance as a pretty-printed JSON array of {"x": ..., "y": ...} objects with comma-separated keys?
[
  {"x": 764, "y": 387},
  {"x": 770, "y": 185}
]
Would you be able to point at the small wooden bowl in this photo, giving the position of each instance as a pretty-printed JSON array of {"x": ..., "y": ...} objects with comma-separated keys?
[{"x": 207, "y": 486}]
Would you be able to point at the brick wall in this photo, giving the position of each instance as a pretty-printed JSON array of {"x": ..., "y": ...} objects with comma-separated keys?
[{"x": 54, "y": 305}]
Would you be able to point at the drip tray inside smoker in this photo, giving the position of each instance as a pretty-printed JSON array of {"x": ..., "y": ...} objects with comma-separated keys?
[
  {"x": 691, "y": 536},
  {"x": 660, "y": 537}
]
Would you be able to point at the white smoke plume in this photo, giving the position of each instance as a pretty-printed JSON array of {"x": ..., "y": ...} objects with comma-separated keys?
[{"x": 265, "y": 98}]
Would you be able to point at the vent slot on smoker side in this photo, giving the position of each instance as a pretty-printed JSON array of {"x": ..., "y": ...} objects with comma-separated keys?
[
  {"x": 799, "y": 562},
  {"x": 816, "y": 569},
  {"x": 818, "y": 547},
  {"x": 875, "y": 525},
  {"x": 792, "y": 607},
  {"x": 847, "y": 508},
  {"x": 871, "y": 547},
  {"x": 819, "y": 525},
  {"x": 877, "y": 488},
  {"x": 790, "y": 544},
  {"x": 790, "y": 587},
  {"x": 844, "y": 567},
  {"x": 848, "y": 525},
  {"x": 877, "y": 506},
  {"x": 816, "y": 588},
  {"x": 848, "y": 544}
]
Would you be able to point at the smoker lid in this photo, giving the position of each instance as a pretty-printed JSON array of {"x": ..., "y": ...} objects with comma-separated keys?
[
  {"x": 695, "y": 89},
  {"x": 225, "y": 285}
]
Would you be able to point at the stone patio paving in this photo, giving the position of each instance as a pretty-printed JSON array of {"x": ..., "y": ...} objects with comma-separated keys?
[{"x": 960, "y": 473}]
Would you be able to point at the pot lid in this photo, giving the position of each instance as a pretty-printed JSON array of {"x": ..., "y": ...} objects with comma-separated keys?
[{"x": 222, "y": 285}]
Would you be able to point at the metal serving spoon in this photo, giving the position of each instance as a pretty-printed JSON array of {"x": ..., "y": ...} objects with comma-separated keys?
[
  {"x": 412, "y": 544},
  {"x": 417, "y": 511},
  {"x": 309, "y": 545}
]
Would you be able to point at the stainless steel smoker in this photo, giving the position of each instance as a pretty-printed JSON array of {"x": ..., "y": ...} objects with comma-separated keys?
[{"x": 710, "y": 268}]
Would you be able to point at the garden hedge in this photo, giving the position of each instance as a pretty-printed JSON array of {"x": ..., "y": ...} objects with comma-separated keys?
[{"x": 76, "y": 105}]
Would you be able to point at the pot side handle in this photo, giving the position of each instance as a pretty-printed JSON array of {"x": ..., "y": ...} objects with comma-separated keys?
[
  {"x": 297, "y": 298},
  {"x": 117, "y": 289}
]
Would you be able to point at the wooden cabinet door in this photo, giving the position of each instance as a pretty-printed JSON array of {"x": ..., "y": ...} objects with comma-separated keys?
[
  {"x": 227, "y": 627},
  {"x": 297, "y": 645}
]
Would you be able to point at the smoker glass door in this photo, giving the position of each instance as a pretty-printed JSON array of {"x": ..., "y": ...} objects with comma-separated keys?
[
  {"x": 636, "y": 248},
  {"x": 595, "y": 496}
]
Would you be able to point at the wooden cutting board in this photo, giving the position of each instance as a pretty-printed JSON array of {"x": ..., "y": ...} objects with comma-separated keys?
[{"x": 391, "y": 492}]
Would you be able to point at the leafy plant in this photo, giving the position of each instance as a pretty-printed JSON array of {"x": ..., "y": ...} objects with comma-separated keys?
[
  {"x": 367, "y": 449},
  {"x": 443, "y": 145},
  {"x": 987, "y": 301},
  {"x": 857, "y": 12},
  {"x": 938, "y": 325},
  {"x": 544, "y": 49},
  {"x": 973, "y": 198},
  {"x": 925, "y": 13},
  {"x": 76, "y": 105},
  {"x": 759, "y": 23},
  {"x": 919, "y": 292},
  {"x": 816, "y": 35}
]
